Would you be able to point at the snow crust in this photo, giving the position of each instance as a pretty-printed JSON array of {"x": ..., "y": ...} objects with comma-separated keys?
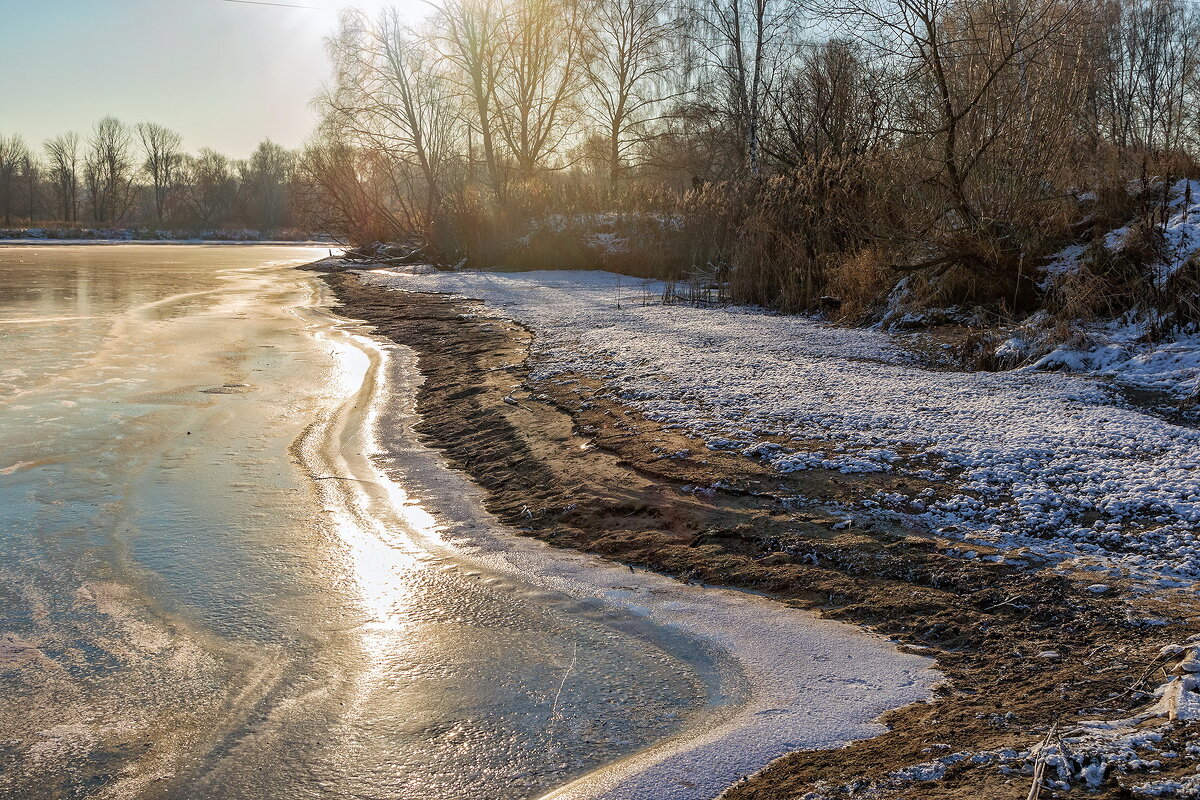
[{"x": 1043, "y": 462}]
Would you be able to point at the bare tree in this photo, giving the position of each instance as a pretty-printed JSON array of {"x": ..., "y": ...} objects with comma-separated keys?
[
  {"x": 390, "y": 95},
  {"x": 14, "y": 156},
  {"x": 63, "y": 152},
  {"x": 626, "y": 64},
  {"x": 1148, "y": 81},
  {"x": 263, "y": 184},
  {"x": 540, "y": 80},
  {"x": 470, "y": 39},
  {"x": 980, "y": 82},
  {"x": 341, "y": 190},
  {"x": 746, "y": 42},
  {"x": 109, "y": 170},
  {"x": 32, "y": 170},
  {"x": 163, "y": 151},
  {"x": 208, "y": 185},
  {"x": 831, "y": 103}
]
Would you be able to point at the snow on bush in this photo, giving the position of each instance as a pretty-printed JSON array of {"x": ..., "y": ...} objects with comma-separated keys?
[
  {"x": 1126, "y": 349},
  {"x": 1180, "y": 236},
  {"x": 1121, "y": 350}
]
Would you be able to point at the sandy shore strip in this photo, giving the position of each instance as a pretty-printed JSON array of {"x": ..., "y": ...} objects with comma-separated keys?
[{"x": 568, "y": 436}]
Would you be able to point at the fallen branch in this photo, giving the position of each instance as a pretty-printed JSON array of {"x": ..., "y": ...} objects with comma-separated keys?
[{"x": 1039, "y": 765}]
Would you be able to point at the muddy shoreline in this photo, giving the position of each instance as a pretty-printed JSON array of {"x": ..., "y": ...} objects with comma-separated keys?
[{"x": 565, "y": 462}]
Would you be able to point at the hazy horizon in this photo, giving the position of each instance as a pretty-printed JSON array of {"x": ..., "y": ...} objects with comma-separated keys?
[{"x": 223, "y": 74}]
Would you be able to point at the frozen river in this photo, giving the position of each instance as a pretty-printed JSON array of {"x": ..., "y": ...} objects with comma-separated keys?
[{"x": 228, "y": 570}]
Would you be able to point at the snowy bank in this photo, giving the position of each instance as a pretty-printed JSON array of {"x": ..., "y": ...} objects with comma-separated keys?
[
  {"x": 1160, "y": 256},
  {"x": 777, "y": 678},
  {"x": 1125, "y": 352},
  {"x": 1042, "y": 461}
]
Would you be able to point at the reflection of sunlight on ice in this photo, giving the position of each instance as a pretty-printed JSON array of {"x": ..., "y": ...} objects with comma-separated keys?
[
  {"x": 380, "y": 571},
  {"x": 415, "y": 518},
  {"x": 371, "y": 514}
]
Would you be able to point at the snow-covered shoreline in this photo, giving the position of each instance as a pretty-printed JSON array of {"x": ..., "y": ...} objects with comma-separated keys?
[
  {"x": 782, "y": 678},
  {"x": 1047, "y": 462}
]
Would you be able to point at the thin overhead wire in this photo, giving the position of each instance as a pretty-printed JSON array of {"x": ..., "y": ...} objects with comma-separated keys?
[{"x": 277, "y": 5}]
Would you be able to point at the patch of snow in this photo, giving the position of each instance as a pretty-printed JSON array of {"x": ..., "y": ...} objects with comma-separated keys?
[
  {"x": 1012, "y": 349},
  {"x": 1038, "y": 460},
  {"x": 1186, "y": 788},
  {"x": 929, "y": 770},
  {"x": 1064, "y": 262},
  {"x": 1120, "y": 350}
]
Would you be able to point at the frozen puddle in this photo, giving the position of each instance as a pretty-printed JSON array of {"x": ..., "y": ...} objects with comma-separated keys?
[{"x": 778, "y": 679}]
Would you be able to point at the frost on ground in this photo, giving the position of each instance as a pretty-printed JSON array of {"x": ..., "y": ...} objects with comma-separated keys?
[{"x": 1042, "y": 464}]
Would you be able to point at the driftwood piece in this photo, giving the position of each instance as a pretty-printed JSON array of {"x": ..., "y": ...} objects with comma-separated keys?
[{"x": 1039, "y": 765}]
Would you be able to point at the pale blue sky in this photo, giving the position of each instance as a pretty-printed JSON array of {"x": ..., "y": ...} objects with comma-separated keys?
[{"x": 223, "y": 74}]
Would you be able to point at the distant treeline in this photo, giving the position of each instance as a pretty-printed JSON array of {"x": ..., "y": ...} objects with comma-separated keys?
[
  {"x": 803, "y": 147},
  {"x": 120, "y": 176}
]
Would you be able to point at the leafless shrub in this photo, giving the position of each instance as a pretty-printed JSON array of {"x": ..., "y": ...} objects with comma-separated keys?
[{"x": 859, "y": 282}]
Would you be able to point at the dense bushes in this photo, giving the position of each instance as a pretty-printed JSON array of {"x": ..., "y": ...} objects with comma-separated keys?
[
  {"x": 835, "y": 236},
  {"x": 918, "y": 152}
]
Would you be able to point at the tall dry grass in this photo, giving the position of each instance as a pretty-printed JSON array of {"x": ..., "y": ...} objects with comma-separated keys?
[{"x": 838, "y": 235}]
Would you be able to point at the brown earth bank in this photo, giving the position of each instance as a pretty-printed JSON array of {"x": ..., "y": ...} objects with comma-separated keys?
[{"x": 1025, "y": 650}]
